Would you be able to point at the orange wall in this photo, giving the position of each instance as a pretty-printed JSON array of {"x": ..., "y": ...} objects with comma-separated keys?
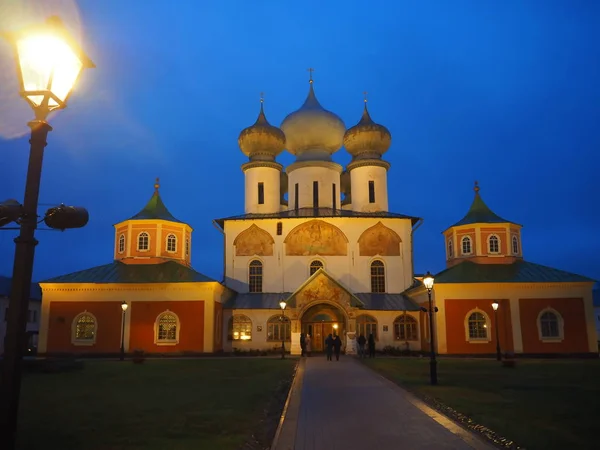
[
  {"x": 575, "y": 329},
  {"x": 143, "y": 318},
  {"x": 486, "y": 233},
  {"x": 152, "y": 233},
  {"x": 456, "y": 312},
  {"x": 180, "y": 248},
  {"x": 108, "y": 336}
]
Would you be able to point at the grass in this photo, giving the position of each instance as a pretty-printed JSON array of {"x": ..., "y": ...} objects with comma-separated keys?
[
  {"x": 161, "y": 404},
  {"x": 539, "y": 404}
]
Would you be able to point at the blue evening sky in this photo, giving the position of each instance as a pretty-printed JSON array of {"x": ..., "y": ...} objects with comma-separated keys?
[{"x": 503, "y": 92}]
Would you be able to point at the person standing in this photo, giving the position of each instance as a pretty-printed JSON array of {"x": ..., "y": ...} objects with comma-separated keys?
[
  {"x": 303, "y": 344},
  {"x": 329, "y": 347},
  {"x": 361, "y": 345},
  {"x": 337, "y": 345},
  {"x": 308, "y": 344},
  {"x": 371, "y": 346}
]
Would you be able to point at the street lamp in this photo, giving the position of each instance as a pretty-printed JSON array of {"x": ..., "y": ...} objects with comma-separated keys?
[
  {"x": 49, "y": 64},
  {"x": 282, "y": 305},
  {"x": 428, "y": 282},
  {"x": 124, "y": 308},
  {"x": 495, "y": 305}
]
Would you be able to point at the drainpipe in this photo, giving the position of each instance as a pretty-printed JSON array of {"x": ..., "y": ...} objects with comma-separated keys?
[{"x": 214, "y": 222}]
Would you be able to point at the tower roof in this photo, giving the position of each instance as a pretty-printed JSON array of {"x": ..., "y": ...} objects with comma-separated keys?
[
  {"x": 480, "y": 212},
  {"x": 367, "y": 139},
  {"x": 155, "y": 208},
  {"x": 261, "y": 140}
]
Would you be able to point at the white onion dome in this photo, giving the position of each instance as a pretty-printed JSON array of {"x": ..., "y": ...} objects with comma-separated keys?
[
  {"x": 261, "y": 141},
  {"x": 367, "y": 139},
  {"x": 312, "y": 129}
]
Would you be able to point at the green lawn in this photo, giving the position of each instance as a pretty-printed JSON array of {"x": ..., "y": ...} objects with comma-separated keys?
[
  {"x": 540, "y": 404},
  {"x": 161, "y": 404}
]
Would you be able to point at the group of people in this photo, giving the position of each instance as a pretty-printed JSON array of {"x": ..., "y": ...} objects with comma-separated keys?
[{"x": 333, "y": 345}]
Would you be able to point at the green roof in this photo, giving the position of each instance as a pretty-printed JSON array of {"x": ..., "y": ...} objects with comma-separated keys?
[
  {"x": 517, "y": 272},
  {"x": 480, "y": 213},
  {"x": 118, "y": 272},
  {"x": 155, "y": 209}
]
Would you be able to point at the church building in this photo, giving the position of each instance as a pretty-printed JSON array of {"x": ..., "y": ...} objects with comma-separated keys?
[{"x": 331, "y": 251}]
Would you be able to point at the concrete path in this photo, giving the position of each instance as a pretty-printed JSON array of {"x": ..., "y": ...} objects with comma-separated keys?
[{"x": 344, "y": 405}]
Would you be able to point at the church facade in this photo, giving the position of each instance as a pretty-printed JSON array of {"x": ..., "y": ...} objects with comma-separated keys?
[{"x": 319, "y": 237}]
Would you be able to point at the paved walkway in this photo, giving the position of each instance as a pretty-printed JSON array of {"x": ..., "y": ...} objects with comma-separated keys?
[{"x": 345, "y": 405}]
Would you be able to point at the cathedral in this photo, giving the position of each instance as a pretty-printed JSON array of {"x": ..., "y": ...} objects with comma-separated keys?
[{"x": 317, "y": 252}]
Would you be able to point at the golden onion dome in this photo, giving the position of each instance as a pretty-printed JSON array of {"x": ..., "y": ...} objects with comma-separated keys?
[
  {"x": 312, "y": 129},
  {"x": 261, "y": 141},
  {"x": 367, "y": 139}
]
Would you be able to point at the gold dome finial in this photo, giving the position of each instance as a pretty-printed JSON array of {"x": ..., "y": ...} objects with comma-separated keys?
[
  {"x": 365, "y": 94},
  {"x": 476, "y": 188},
  {"x": 262, "y": 97},
  {"x": 156, "y": 185},
  {"x": 310, "y": 71}
]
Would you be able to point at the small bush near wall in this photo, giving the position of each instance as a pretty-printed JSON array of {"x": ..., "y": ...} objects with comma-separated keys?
[{"x": 390, "y": 350}]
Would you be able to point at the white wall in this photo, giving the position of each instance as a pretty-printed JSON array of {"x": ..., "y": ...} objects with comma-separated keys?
[
  {"x": 325, "y": 173},
  {"x": 271, "y": 178},
  {"x": 283, "y": 273},
  {"x": 360, "y": 177}
]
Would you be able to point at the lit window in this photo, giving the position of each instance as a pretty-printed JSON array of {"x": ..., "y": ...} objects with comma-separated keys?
[
  {"x": 121, "y": 243},
  {"x": 143, "y": 242},
  {"x": 84, "y": 329},
  {"x": 405, "y": 328},
  {"x": 255, "y": 276},
  {"x": 366, "y": 325},
  {"x": 240, "y": 328},
  {"x": 477, "y": 325},
  {"x": 315, "y": 265},
  {"x": 450, "y": 249},
  {"x": 549, "y": 325},
  {"x": 494, "y": 244},
  {"x": 466, "y": 245},
  {"x": 167, "y": 328},
  {"x": 279, "y": 329},
  {"x": 377, "y": 277},
  {"x": 515, "y": 245},
  {"x": 172, "y": 243}
]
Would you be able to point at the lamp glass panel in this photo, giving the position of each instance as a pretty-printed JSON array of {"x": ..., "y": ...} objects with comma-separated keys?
[
  {"x": 428, "y": 282},
  {"x": 47, "y": 63}
]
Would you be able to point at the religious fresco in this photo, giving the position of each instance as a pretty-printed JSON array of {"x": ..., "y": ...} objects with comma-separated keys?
[
  {"x": 316, "y": 237},
  {"x": 254, "y": 241},
  {"x": 379, "y": 240}
]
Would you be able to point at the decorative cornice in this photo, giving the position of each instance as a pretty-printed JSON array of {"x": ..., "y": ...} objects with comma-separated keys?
[
  {"x": 254, "y": 164},
  {"x": 368, "y": 162},
  {"x": 325, "y": 164}
]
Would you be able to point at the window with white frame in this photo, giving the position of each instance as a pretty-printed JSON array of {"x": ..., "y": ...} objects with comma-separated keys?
[
  {"x": 466, "y": 245},
  {"x": 239, "y": 328},
  {"x": 143, "y": 242},
  {"x": 279, "y": 329},
  {"x": 366, "y": 325},
  {"x": 550, "y": 325},
  {"x": 171, "y": 243},
  {"x": 377, "y": 276},
  {"x": 84, "y": 329},
  {"x": 494, "y": 244},
  {"x": 315, "y": 265},
  {"x": 477, "y": 326},
  {"x": 167, "y": 328},
  {"x": 450, "y": 249},
  {"x": 515, "y": 245},
  {"x": 121, "y": 243},
  {"x": 405, "y": 328},
  {"x": 255, "y": 276}
]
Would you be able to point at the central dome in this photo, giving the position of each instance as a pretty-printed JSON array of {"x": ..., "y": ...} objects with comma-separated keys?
[{"x": 312, "y": 129}]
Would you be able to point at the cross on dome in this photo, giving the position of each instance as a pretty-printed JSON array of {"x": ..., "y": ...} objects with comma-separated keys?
[{"x": 157, "y": 185}]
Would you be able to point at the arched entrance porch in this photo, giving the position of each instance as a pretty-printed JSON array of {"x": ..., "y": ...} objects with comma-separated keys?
[{"x": 320, "y": 320}]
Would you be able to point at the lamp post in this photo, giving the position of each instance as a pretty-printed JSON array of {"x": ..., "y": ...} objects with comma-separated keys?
[
  {"x": 282, "y": 305},
  {"x": 428, "y": 282},
  {"x": 124, "y": 308},
  {"x": 49, "y": 64},
  {"x": 495, "y": 305}
]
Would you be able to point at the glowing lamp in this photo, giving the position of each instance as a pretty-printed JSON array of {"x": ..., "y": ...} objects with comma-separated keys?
[
  {"x": 428, "y": 281},
  {"x": 49, "y": 64},
  {"x": 335, "y": 326},
  {"x": 282, "y": 304},
  {"x": 495, "y": 306},
  {"x": 124, "y": 306}
]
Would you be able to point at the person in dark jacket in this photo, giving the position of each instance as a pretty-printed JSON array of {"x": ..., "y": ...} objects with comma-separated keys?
[
  {"x": 337, "y": 346},
  {"x": 329, "y": 347},
  {"x": 302, "y": 344},
  {"x": 371, "y": 346},
  {"x": 362, "y": 340}
]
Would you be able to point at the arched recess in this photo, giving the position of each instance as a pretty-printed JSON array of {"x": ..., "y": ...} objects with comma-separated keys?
[
  {"x": 316, "y": 237},
  {"x": 379, "y": 240},
  {"x": 254, "y": 241}
]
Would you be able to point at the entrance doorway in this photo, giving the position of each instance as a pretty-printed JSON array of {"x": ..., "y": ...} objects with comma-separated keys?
[{"x": 320, "y": 321}]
